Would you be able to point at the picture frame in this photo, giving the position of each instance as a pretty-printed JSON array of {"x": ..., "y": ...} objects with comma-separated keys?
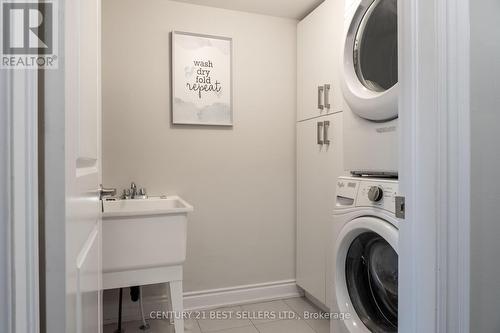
[{"x": 201, "y": 79}]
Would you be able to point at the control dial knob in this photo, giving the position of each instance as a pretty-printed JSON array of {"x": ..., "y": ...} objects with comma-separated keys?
[{"x": 375, "y": 193}]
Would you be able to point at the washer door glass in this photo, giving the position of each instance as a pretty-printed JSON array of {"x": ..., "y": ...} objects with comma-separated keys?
[
  {"x": 372, "y": 282},
  {"x": 376, "y": 46}
]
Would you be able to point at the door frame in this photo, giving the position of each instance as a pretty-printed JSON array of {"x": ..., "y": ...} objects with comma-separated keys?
[
  {"x": 19, "y": 310},
  {"x": 434, "y": 174},
  {"x": 434, "y": 39}
]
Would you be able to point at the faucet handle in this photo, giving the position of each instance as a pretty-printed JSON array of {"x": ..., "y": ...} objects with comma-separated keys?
[
  {"x": 142, "y": 194},
  {"x": 126, "y": 194},
  {"x": 133, "y": 186}
]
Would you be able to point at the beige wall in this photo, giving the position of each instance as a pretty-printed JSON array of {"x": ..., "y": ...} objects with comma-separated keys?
[{"x": 241, "y": 180}]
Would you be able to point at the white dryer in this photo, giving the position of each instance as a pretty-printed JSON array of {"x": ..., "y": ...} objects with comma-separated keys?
[
  {"x": 369, "y": 82},
  {"x": 365, "y": 255}
]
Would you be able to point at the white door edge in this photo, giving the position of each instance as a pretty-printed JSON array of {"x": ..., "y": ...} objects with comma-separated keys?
[{"x": 434, "y": 166}]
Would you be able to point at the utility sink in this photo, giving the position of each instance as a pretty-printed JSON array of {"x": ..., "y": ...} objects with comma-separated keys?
[{"x": 144, "y": 233}]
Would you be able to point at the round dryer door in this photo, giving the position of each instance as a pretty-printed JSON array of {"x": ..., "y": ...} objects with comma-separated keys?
[
  {"x": 371, "y": 60},
  {"x": 367, "y": 275},
  {"x": 376, "y": 46}
]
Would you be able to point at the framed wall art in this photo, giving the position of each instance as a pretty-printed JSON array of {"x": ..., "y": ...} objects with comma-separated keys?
[{"x": 201, "y": 79}]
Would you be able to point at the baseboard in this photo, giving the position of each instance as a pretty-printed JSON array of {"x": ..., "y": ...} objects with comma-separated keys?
[
  {"x": 208, "y": 299},
  {"x": 254, "y": 293}
]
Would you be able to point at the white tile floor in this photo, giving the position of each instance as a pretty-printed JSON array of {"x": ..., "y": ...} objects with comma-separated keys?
[{"x": 283, "y": 316}]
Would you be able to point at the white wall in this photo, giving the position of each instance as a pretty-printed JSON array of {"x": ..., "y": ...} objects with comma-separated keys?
[
  {"x": 241, "y": 180},
  {"x": 485, "y": 196}
]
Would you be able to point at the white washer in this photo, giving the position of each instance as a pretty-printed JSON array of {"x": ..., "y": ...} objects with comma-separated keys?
[
  {"x": 365, "y": 255},
  {"x": 369, "y": 81}
]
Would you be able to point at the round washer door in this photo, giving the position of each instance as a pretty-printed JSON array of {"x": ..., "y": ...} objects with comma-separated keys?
[
  {"x": 370, "y": 65},
  {"x": 366, "y": 279}
]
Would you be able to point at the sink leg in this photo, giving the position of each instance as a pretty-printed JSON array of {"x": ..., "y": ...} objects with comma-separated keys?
[
  {"x": 169, "y": 305},
  {"x": 176, "y": 299},
  {"x": 120, "y": 304}
]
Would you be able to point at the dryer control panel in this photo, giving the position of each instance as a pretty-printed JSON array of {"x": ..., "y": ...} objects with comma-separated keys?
[{"x": 367, "y": 192}]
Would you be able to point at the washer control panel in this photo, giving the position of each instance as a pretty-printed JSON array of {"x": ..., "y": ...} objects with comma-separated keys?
[
  {"x": 367, "y": 192},
  {"x": 347, "y": 188}
]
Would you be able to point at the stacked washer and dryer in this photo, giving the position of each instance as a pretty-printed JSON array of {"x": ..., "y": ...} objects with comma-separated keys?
[{"x": 365, "y": 267}]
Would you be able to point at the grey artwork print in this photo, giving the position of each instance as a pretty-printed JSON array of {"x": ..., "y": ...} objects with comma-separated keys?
[{"x": 202, "y": 79}]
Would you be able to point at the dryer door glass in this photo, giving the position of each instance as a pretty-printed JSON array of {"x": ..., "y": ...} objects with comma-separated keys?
[
  {"x": 372, "y": 282},
  {"x": 376, "y": 46}
]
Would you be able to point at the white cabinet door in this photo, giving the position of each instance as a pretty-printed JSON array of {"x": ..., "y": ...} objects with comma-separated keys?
[
  {"x": 311, "y": 193},
  {"x": 334, "y": 45},
  {"x": 319, "y": 44},
  {"x": 318, "y": 167}
]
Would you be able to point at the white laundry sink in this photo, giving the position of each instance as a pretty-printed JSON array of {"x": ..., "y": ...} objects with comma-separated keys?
[{"x": 144, "y": 233}]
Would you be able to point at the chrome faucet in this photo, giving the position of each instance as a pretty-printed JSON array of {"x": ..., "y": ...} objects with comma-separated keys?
[
  {"x": 133, "y": 190},
  {"x": 133, "y": 193}
]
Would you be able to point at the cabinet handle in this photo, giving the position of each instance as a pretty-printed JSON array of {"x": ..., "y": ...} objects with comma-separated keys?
[
  {"x": 319, "y": 132},
  {"x": 326, "y": 96},
  {"x": 321, "y": 89},
  {"x": 326, "y": 126}
]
